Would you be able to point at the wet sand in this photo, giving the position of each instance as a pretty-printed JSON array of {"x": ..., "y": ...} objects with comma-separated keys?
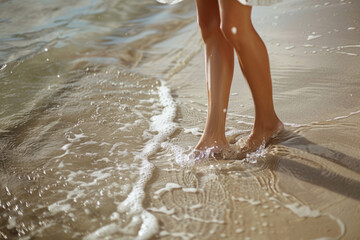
[
  {"x": 105, "y": 157},
  {"x": 307, "y": 185}
]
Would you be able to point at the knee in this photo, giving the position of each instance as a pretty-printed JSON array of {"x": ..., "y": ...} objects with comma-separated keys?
[
  {"x": 209, "y": 27},
  {"x": 235, "y": 33}
]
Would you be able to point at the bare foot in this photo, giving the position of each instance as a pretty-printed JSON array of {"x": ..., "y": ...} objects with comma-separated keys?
[
  {"x": 258, "y": 137},
  {"x": 207, "y": 147}
]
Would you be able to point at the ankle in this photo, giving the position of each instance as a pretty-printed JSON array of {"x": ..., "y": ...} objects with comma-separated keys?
[
  {"x": 211, "y": 142},
  {"x": 268, "y": 127},
  {"x": 267, "y": 123}
]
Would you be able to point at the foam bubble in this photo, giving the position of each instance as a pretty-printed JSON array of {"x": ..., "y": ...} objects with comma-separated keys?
[
  {"x": 168, "y": 187},
  {"x": 163, "y": 209},
  {"x": 251, "y": 201},
  {"x": 59, "y": 207},
  {"x": 259, "y": 153},
  {"x": 103, "y": 231},
  {"x": 196, "y": 206},
  {"x": 180, "y": 157},
  {"x": 306, "y": 211},
  {"x": 302, "y": 211},
  {"x": 187, "y": 216},
  {"x": 2, "y": 67},
  {"x": 182, "y": 235},
  {"x": 313, "y": 36},
  {"x": 190, "y": 190},
  {"x": 194, "y": 131},
  {"x": 11, "y": 222},
  {"x": 149, "y": 226}
]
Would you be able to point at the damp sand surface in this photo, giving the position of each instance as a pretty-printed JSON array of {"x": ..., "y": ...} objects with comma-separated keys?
[{"x": 102, "y": 101}]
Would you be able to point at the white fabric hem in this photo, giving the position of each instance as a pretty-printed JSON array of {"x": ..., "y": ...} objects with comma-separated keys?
[{"x": 244, "y": 2}]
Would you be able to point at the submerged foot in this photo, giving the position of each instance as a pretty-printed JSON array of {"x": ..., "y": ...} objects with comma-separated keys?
[
  {"x": 257, "y": 138},
  {"x": 208, "y": 148},
  {"x": 220, "y": 149}
]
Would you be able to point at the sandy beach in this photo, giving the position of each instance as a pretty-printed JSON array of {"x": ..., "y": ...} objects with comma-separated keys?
[
  {"x": 100, "y": 152},
  {"x": 307, "y": 184}
]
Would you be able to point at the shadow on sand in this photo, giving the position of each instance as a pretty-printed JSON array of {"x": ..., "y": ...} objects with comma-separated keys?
[{"x": 308, "y": 161}]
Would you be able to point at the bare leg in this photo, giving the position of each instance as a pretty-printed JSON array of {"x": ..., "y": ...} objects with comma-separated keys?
[
  {"x": 237, "y": 27},
  {"x": 219, "y": 59}
]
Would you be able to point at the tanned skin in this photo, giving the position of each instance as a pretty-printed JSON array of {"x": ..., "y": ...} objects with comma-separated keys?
[{"x": 226, "y": 28}]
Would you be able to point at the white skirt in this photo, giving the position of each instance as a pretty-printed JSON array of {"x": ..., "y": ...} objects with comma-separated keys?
[
  {"x": 244, "y": 2},
  {"x": 259, "y": 2}
]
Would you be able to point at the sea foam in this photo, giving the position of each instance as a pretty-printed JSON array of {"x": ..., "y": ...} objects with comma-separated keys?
[{"x": 165, "y": 126}]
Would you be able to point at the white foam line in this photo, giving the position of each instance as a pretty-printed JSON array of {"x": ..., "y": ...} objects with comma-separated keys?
[
  {"x": 312, "y": 37},
  {"x": 77, "y": 137},
  {"x": 328, "y": 120},
  {"x": 165, "y": 126},
  {"x": 113, "y": 228},
  {"x": 304, "y": 211},
  {"x": 340, "y": 223},
  {"x": 289, "y": 47},
  {"x": 251, "y": 201},
  {"x": 296, "y": 124},
  {"x": 245, "y": 123},
  {"x": 197, "y": 206},
  {"x": 187, "y": 216},
  {"x": 163, "y": 209},
  {"x": 66, "y": 149},
  {"x": 350, "y": 46},
  {"x": 59, "y": 207},
  {"x": 195, "y": 131},
  {"x": 345, "y": 116},
  {"x": 111, "y": 152},
  {"x": 349, "y": 54},
  {"x": 168, "y": 187},
  {"x": 190, "y": 190},
  {"x": 182, "y": 235},
  {"x": 240, "y": 115},
  {"x": 89, "y": 142},
  {"x": 171, "y": 186}
]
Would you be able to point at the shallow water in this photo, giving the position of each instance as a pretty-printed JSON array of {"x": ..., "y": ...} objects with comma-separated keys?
[{"x": 101, "y": 101}]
